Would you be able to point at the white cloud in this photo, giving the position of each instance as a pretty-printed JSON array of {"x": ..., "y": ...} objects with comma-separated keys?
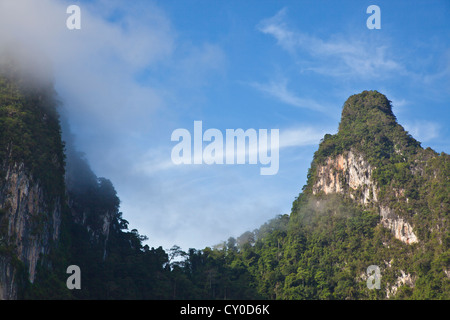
[
  {"x": 300, "y": 137},
  {"x": 280, "y": 91},
  {"x": 337, "y": 56},
  {"x": 398, "y": 103},
  {"x": 158, "y": 160},
  {"x": 115, "y": 115},
  {"x": 95, "y": 67},
  {"x": 423, "y": 130},
  {"x": 194, "y": 68}
]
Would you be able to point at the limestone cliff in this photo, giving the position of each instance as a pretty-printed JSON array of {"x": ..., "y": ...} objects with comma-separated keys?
[
  {"x": 350, "y": 174},
  {"x": 91, "y": 200},
  {"x": 347, "y": 173},
  {"x": 32, "y": 224},
  {"x": 47, "y": 191},
  {"x": 374, "y": 163},
  {"x": 37, "y": 193},
  {"x": 365, "y": 158},
  {"x": 31, "y": 179}
]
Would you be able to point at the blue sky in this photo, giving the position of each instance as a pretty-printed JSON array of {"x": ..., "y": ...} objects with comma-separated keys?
[{"x": 136, "y": 71}]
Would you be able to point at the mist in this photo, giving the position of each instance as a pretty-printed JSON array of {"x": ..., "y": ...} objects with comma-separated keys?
[{"x": 126, "y": 80}]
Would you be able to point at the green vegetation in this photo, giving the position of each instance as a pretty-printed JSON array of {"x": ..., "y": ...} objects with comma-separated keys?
[
  {"x": 30, "y": 133},
  {"x": 323, "y": 248},
  {"x": 320, "y": 251}
]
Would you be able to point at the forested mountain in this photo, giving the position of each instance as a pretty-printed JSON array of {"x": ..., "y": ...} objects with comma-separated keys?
[
  {"x": 55, "y": 212},
  {"x": 374, "y": 197}
]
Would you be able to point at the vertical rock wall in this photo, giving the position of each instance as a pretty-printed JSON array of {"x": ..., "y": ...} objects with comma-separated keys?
[{"x": 32, "y": 225}]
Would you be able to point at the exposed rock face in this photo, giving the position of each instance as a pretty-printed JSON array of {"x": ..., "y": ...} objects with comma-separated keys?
[
  {"x": 347, "y": 173},
  {"x": 99, "y": 235},
  {"x": 32, "y": 225},
  {"x": 402, "y": 230},
  {"x": 33, "y": 190},
  {"x": 8, "y": 286},
  {"x": 351, "y": 174},
  {"x": 403, "y": 279}
]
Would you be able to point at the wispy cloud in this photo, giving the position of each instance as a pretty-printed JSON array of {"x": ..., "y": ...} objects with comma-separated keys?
[
  {"x": 441, "y": 76},
  {"x": 279, "y": 90},
  {"x": 117, "y": 77},
  {"x": 302, "y": 136},
  {"x": 157, "y": 161},
  {"x": 423, "y": 130},
  {"x": 153, "y": 162},
  {"x": 337, "y": 56}
]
